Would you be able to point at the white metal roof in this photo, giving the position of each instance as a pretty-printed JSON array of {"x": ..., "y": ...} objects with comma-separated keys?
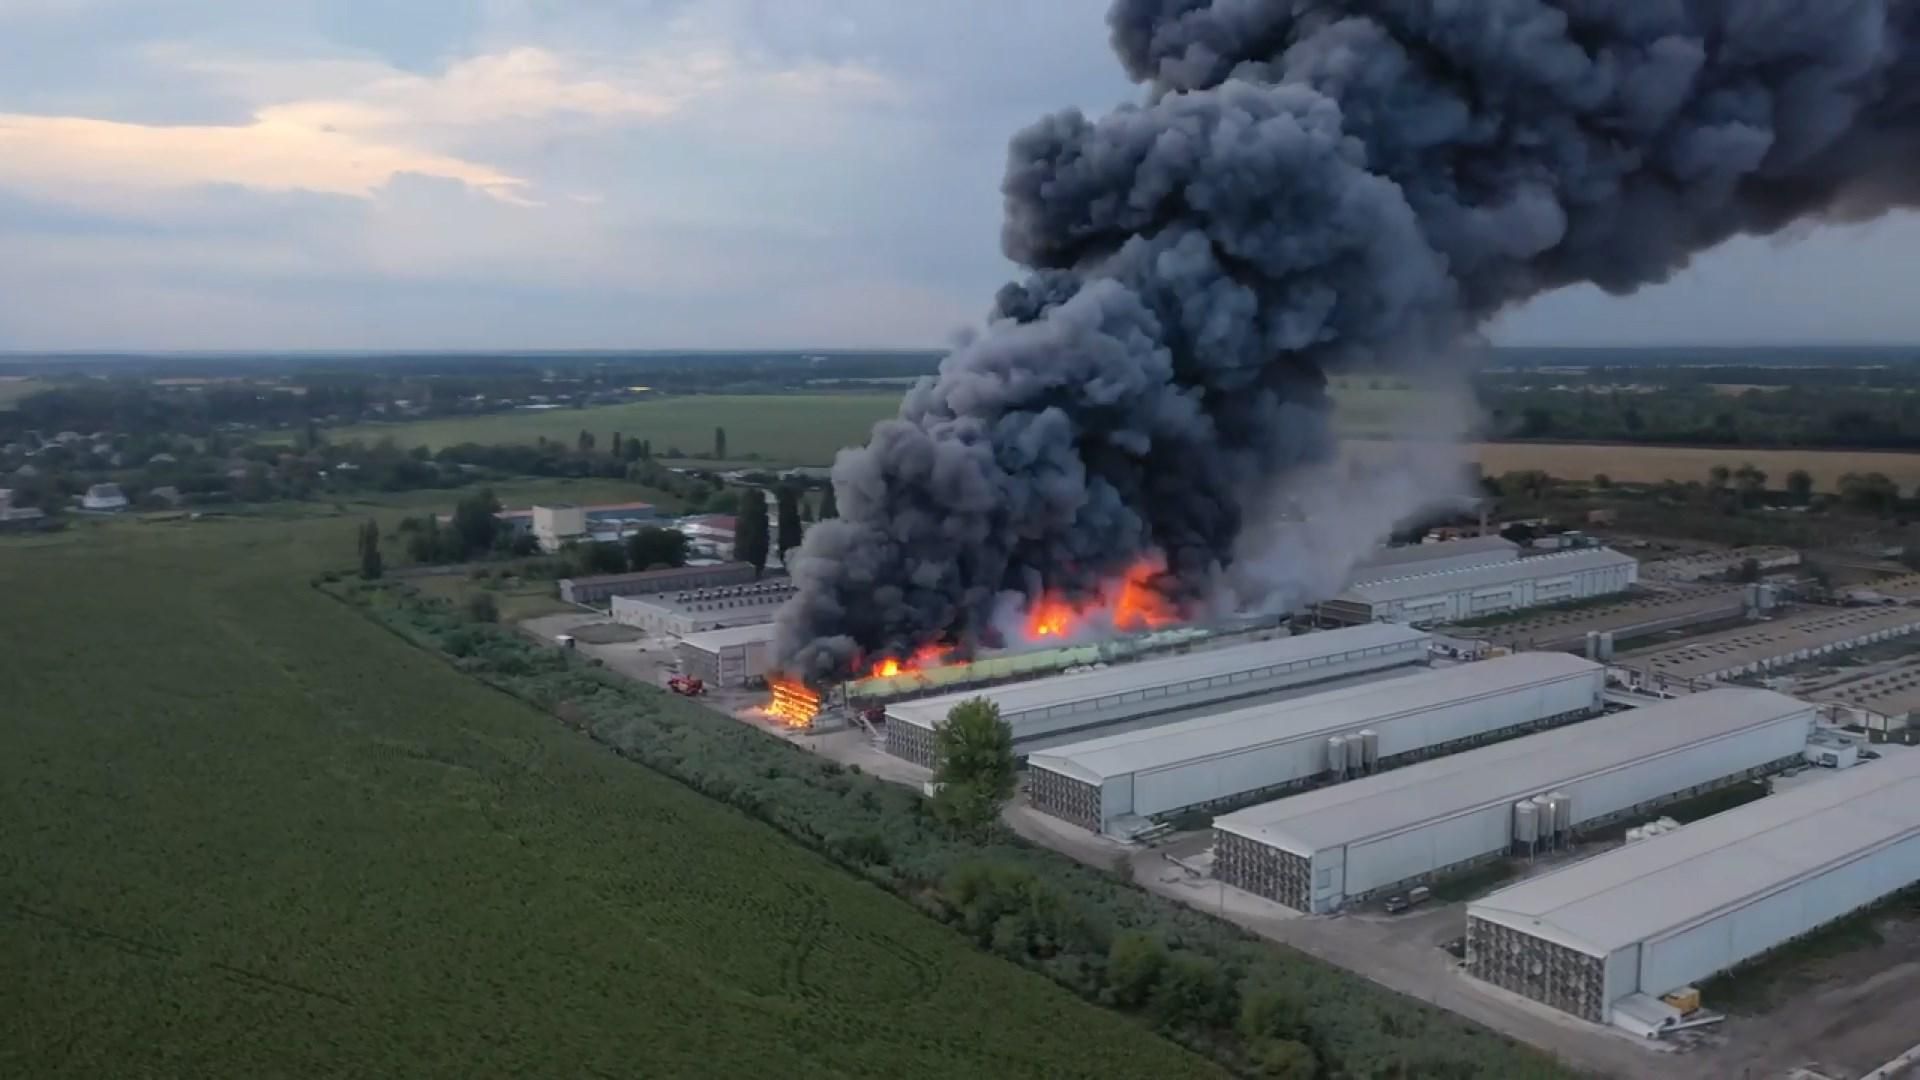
[
  {"x": 1415, "y": 583},
  {"x": 1146, "y": 674},
  {"x": 1415, "y": 558},
  {"x": 1334, "y": 711},
  {"x": 1394, "y": 801},
  {"x": 1657, "y": 887},
  {"x": 1812, "y": 628},
  {"x": 715, "y": 640}
]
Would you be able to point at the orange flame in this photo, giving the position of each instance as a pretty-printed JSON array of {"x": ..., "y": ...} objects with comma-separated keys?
[
  {"x": 1131, "y": 603},
  {"x": 1051, "y": 616},
  {"x": 924, "y": 657},
  {"x": 794, "y": 703}
]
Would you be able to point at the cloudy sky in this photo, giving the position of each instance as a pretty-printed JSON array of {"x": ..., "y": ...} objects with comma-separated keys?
[{"x": 192, "y": 174}]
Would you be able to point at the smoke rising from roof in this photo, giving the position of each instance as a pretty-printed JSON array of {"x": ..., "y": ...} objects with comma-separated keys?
[{"x": 1305, "y": 185}]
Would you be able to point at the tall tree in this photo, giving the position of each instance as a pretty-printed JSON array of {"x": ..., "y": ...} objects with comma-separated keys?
[
  {"x": 973, "y": 764},
  {"x": 789, "y": 504},
  {"x": 633, "y": 450},
  {"x": 371, "y": 566},
  {"x": 614, "y": 449},
  {"x": 475, "y": 521},
  {"x": 829, "y": 507},
  {"x": 585, "y": 441},
  {"x": 1751, "y": 482},
  {"x": 720, "y": 443},
  {"x": 750, "y": 537},
  {"x": 652, "y": 548},
  {"x": 601, "y": 557},
  {"x": 646, "y": 448},
  {"x": 1800, "y": 486},
  {"x": 424, "y": 543}
]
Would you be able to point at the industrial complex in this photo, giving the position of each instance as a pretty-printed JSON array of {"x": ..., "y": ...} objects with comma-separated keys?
[
  {"x": 1322, "y": 849},
  {"x": 1617, "y": 932},
  {"x": 1349, "y": 767},
  {"x": 1091, "y": 700},
  {"x": 1106, "y": 782}
]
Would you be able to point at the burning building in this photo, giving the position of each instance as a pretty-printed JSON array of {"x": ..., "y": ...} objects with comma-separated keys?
[
  {"x": 1307, "y": 184},
  {"x": 1155, "y": 690}
]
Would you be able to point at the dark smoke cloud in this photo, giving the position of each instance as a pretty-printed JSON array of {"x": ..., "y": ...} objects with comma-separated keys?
[{"x": 1304, "y": 185}]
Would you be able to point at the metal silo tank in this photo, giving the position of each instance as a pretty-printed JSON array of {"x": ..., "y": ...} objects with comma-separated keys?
[
  {"x": 1526, "y": 823},
  {"x": 1562, "y": 804},
  {"x": 1543, "y": 813},
  {"x": 1369, "y": 750},
  {"x": 1337, "y": 755}
]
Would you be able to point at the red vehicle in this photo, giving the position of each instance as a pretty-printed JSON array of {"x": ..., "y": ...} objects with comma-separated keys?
[{"x": 686, "y": 685}]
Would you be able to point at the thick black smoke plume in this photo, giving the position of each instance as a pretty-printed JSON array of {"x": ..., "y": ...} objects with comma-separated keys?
[{"x": 1310, "y": 183}]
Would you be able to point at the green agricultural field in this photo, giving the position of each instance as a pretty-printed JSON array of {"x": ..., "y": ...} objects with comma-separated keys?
[
  {"x": 792, "y": 429},
  {"x": 249, "y": 833},
  {"x": 796, "y": 429}
]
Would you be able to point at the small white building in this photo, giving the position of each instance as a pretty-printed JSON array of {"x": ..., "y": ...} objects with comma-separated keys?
[
  {"x": 105, "y": 498},
  {"x": 558, "y": 525},
  {"x": 736, "y": 656}
]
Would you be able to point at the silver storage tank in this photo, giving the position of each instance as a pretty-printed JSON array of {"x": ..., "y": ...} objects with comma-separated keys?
[
  {"x": 1526, "y": 823},
  {"x": 1562, "y": 804}
]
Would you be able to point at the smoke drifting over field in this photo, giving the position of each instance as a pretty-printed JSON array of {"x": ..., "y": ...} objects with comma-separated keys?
[{"x": 1305, "y": 185}]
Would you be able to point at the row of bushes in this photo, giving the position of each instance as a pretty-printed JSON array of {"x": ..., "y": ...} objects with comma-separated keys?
[{"x": 1258, "y": 1008}]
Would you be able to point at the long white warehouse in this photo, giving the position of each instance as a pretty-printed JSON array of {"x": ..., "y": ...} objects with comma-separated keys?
[
  {"x": 1659, "y": 914},
  {"x": 1465, "y": 592},
  {"x": 1273, "y": 747},
  {"x": 1386, "y": 564},
  {"x": 1093, "y": 699},
  {"x": 1318, "y": 850}
]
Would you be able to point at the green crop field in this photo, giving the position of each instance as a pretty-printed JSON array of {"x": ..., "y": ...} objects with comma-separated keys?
[
  {"x": 779, "y": 429},
  {"x": 795, "y": 429},
  {"x": 246, "y": 832}
]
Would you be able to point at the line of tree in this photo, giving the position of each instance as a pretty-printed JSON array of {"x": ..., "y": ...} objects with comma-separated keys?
[{"x": 1800, "y": 417}]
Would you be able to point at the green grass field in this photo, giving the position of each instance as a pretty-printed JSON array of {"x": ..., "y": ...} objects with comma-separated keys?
[{"x": 249, "y": 833}]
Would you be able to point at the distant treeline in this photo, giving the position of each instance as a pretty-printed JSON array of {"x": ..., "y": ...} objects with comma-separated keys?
[
  {"x": 838, "y": 363},
  {"x": 1806, "y": 416}
]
